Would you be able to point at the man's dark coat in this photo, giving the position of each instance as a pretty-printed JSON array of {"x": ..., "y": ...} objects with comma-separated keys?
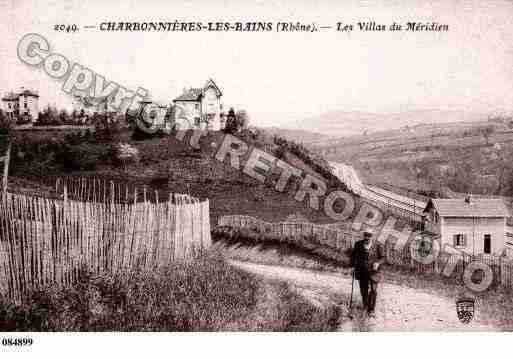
[{"x": 363, "y": 261}]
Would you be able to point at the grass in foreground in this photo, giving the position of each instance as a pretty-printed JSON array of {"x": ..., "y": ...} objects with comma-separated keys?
[{"x": 201, "y": 295}]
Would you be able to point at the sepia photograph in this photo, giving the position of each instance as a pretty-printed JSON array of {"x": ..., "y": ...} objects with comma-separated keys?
[{"x": 255, "y": 167}]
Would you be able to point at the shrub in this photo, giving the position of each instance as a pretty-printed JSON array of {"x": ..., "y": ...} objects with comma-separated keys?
[
  {"x": 316, "y": 162},
  {"x": 88, "y": 135},
  {"x": 82, "y": 157},
  {"x": 140, "y": 135},
  {"x": 125, "y": 153},
  {"x": 39, "y": 157},
  {"x": 107, "y": 129}
]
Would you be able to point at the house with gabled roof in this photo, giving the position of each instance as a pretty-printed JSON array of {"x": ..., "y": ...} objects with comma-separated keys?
[
  {"x": 473, "y": 225},
  {"x": 22, "y": 104},
  {"x": 200, "y": 107}
]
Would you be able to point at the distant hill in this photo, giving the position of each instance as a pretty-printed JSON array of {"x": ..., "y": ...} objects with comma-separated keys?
[
  {"x": 342, "y": 124},
  {"x": 297, "y": 135}
]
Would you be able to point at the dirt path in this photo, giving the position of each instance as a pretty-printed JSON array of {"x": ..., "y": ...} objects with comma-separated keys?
[{"x": 398, "y": 308}]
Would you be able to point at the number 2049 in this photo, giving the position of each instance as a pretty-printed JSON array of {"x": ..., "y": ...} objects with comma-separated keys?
[
  {"x": 66, "y": 28},
  {"x": 17, "y": 342}
]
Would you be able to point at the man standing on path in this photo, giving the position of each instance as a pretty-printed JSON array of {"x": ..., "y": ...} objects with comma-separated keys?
[{"x": 366, "y": 259}]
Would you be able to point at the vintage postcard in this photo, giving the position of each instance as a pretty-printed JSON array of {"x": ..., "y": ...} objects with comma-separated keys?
[{"x": 255, "y": 166}]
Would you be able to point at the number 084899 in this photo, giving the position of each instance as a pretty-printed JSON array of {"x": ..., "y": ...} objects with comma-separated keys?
[{"x": 17, "y": 342}]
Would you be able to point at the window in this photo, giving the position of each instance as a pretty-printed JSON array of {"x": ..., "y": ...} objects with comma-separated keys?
[
  {"x": 487, "y": 245},
  {"x": 9, "y": 104},
  {"x": 196, "y": 106},
  {"x": 25, "y": 105},
  {"x": 212, "y": 96},
  {"x": 459, "y": 240},
  {"x": 197, "y": 121}
]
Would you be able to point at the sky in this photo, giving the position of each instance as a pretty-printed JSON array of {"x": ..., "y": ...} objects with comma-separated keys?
[{"x": 281, "y": 77}]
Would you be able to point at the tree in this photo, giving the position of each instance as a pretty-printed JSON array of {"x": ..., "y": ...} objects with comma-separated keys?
[
  {"x": 3, "y": 118},
  {"x": 231, "y": 122},
  {"x": 63, "y": 116},
  {"x": 49, "y": 116},
  {"x": 486, "y": 132},
  {"x": 242, "y": 117},
  {"x": 5, "y": 124},
  {"x": 236, "y": 121}
]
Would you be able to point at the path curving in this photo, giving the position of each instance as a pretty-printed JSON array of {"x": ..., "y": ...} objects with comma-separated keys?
[{"x": 398, "y": 308}]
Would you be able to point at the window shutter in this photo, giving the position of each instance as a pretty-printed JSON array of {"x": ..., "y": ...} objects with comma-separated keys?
[
  {"x": 464, "y": 240},
  {"x": 454, "y": 240}
]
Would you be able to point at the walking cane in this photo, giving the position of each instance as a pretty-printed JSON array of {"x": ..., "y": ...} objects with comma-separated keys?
[{"x": 350, "y": 314}]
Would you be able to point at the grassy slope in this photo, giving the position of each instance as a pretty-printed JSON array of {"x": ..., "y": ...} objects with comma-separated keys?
[{"x": 202, "y": 295}]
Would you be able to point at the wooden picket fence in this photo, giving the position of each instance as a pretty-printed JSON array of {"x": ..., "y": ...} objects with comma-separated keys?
[
  {"x": 45, "y": 241},
  {"x": 115, "y": 190},
  {"x": 337, "y": 239},
  {"x": 4, "y": 161}
]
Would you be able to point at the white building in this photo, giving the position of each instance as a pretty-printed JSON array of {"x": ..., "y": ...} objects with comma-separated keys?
[
  {"x": 21, "y": 104},
  {"x": 200, "y": 107},
  {"x": 475, "y": 226}
]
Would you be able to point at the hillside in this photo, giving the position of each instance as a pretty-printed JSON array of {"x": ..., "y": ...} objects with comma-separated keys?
[
  {"x": 343, "y": 124},
  {"x": 432, "y": 159},
  {"x": 166, "y": 165},
  {"x": 297, "y": 135}
]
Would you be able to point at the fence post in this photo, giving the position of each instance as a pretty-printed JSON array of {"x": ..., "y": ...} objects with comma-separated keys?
[{"x": 7, "y": 159}]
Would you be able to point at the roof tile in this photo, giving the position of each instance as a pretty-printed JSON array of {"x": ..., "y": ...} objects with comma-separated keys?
[
  {"x": 488, "y": 208},
  {"x": 193, "y": 94}
]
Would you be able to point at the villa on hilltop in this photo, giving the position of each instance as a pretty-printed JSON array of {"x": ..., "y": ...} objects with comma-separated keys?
[
  {"x": 22, "y": 105},
  {"x": 200, "y": 107}
]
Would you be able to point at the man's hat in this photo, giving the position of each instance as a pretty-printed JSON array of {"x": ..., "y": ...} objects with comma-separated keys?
[{"x": 367, "y": 235}]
